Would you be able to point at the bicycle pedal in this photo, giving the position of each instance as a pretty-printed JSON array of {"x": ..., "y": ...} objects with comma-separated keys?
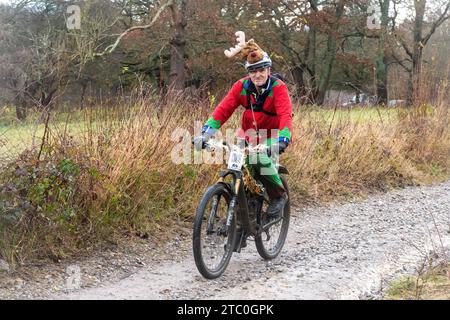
[{"x": 239, "y": 246}]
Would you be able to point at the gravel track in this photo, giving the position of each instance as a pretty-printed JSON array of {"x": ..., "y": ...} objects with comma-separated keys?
[{"x": 348, "y": 251}]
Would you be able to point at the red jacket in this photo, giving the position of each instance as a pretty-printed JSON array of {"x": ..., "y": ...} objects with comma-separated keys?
[{"x": 276, "y": 111}]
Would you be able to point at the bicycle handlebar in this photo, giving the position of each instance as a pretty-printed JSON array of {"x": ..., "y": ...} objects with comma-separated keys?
[{"x": 225, "y": 145}]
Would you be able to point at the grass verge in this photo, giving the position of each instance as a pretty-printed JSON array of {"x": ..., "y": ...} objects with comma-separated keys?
[{"x": 109, "y": 173}]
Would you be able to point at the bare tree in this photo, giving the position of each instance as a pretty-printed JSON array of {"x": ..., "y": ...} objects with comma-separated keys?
[
  {"x": 422, "y": 31},
  {"x": 330, "y": 53},
  {"x": 178, "y": 44},
  {"x": 382, "y": 59},
  {"x": 179, "y": 10}
]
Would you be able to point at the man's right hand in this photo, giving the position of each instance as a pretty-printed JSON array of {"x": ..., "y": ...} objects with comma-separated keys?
[{"x": 200, "y": 142}]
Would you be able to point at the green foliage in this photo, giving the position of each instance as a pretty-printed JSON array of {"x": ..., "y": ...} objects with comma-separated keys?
[
  {"x": 212, "y": 100},
  {"x": 42, "y": 189},
  {"x": 401, "y": 287},
  {"x": 432, "y": 283}
]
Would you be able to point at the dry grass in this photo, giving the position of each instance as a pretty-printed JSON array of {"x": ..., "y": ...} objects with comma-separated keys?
[
  {"x": 430, "y": 284},
  {"x": 348, "y": 158},
  {"x": 125, "y": 182}
]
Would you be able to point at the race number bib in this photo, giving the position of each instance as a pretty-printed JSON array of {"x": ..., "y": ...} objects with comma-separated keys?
[{"x": 236, "y": 160}]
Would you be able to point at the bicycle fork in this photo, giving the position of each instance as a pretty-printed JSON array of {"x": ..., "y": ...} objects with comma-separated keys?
[
  {"x": 239, "y": 208},
  {"x": 233, "y": 204}
]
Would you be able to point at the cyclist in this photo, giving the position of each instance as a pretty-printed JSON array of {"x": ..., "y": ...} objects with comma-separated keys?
[{"x": 267, "y": 106}]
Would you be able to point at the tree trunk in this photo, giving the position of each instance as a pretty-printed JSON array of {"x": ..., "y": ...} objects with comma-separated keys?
[
  {"x": 83, "y": 93},
  {"x": 381, "y": 61},
  {"x": 178, "y": 43},
  {"x": 310, "y": 51},
  {"x": 21, "y": 110},
  {"x": 310, "y": 58},
  {"x": 414, "y": 80},
  {"x": 297, "y": 75},
  {"x": 330, "y": 56},
  {"x": 415, "y": 76},
  {"x": 297, "y": 70}
]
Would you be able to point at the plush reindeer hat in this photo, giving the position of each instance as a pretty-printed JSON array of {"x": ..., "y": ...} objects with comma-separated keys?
[{"x": 250, "y": 51}]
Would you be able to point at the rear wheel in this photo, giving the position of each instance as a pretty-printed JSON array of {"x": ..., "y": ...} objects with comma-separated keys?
[
  {"x": 212, "y": 243},
  {"x": 271, "y": 240}
]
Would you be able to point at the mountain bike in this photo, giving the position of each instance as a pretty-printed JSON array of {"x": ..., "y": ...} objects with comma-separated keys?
[{"x": 233, "y": 210}]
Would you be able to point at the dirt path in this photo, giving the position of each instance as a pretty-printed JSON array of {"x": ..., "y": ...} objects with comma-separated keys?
[{"x": 342, "y": 251}]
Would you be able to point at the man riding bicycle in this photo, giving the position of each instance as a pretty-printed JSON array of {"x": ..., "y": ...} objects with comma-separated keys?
[{"x": 267, "y": 107}]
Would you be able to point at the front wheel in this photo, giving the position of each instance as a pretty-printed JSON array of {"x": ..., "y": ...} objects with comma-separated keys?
[
  {"x": 213, "y": 243},
  {"x": 271, "y": 240}
]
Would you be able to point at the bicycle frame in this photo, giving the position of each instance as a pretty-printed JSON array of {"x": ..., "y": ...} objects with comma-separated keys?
[{"x": 238, "y": 207}]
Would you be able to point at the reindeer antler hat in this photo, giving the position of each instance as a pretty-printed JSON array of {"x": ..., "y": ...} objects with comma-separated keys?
[{"x": 255, "y": 57}]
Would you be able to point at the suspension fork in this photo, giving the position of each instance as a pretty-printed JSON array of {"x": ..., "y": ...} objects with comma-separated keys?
[
  {"x": 234, "y": 200},
  {"x": 239, "y": 207},
  {"x": 212, "y": 215}
]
